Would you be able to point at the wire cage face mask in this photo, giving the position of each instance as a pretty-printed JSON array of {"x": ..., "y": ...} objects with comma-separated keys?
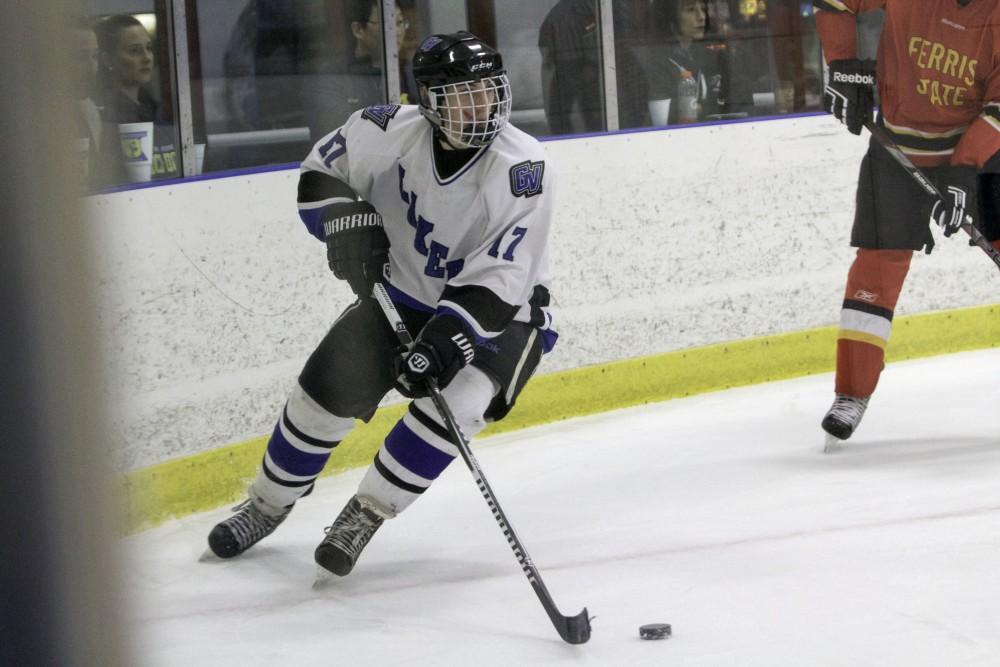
[{"x": 471, "y": 113}]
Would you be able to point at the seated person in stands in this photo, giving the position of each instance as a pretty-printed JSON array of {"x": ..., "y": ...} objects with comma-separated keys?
[
  {"x": 683, "y": 87},
  {"x": 126, "y": 57},
  {"x": 694, "y": 64}
]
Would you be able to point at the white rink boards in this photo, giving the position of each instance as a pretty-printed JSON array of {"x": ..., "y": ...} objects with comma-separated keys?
[{"x": 212, "y": 294}]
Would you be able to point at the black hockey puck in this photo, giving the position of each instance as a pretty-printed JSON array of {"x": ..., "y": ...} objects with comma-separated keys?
[{"x": 655, "y": 631}]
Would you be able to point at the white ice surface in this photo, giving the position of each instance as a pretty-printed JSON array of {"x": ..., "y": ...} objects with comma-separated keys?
[{"x": 717, "y": 514}]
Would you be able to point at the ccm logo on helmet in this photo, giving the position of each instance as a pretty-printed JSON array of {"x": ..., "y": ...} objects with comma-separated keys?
[
  {"x": 866, "y": 79},
  {"x": 481, "y": 65}
]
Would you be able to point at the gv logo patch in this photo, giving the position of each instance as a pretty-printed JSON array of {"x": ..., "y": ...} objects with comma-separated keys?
[{"x": 526, "y": 178}]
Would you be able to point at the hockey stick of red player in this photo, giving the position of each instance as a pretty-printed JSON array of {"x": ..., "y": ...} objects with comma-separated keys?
[
  {"x": 573, "y": 629},
  {"x": 883, "y": 138}
]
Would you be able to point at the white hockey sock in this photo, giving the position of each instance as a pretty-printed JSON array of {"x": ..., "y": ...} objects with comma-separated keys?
[{"x": 299, "y": 448}]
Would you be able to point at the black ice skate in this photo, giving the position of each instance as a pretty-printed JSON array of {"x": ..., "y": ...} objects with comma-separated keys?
[
  {"x": 252, "y": 522},
  {"x": 843, "y": 418},
  {"x": 348, "y": 536}
]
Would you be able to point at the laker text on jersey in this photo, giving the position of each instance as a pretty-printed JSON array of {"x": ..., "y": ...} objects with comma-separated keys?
[{"x": 436, "y": 253}]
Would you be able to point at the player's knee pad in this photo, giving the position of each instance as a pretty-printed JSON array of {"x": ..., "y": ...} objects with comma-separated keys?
[
  {"x": 468, "y": 396},
  {"x": 314, "y": 420},
  {"x": 339, "y": 401}
]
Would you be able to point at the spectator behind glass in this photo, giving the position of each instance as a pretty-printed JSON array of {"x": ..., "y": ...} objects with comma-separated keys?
[
  {"x": 685, "y": 84},
  {"x": 267, "y": 54},
  {"x": 354, "y": 76},
  {"x": 572, "y": 75},
  {"x": 366, "y": 60},
  {"x": 295, "y": 63},
  {"x": 126, "y": 55},
  {"x": 99, "y": 158}
]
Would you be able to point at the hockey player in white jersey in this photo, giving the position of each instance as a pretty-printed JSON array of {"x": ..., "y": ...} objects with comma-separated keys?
[{"x": 449, "y": 206}]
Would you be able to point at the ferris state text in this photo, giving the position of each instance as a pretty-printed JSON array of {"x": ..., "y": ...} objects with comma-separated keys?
[{"x": 936, "y": 56}]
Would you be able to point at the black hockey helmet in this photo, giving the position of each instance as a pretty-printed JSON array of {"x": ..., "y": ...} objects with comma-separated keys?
[{"x": 464, "y": 90}]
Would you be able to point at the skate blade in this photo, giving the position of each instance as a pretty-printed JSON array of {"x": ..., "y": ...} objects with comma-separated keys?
[
  {"x": 832, "y": 444},
  {"x": 324, "y": 578},
  {"x": 209, "y": 557}
]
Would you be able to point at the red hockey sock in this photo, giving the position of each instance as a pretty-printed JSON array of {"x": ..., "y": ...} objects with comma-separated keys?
[
  {"x": 873, "y": 286},
  {"x": 996, "y": 244}
]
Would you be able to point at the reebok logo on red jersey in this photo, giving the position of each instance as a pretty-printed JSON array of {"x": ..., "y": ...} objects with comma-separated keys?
[{"x": 864, "y": 79}]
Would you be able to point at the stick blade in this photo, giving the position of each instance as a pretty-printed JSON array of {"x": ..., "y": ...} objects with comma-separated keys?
[{"x": 575, "y": 629}]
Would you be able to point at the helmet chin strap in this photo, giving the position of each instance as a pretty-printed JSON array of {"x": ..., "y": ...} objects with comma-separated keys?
[
  {"x": 446, "y": 141},
  {"x": 440, "y": 136},
  {"x": 449, "y": 142}
]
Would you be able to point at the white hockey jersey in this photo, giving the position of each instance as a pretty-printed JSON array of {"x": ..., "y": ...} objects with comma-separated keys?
[{"x": 474, "y": 244}]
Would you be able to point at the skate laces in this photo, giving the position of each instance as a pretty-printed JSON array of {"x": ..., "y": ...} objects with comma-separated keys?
[
  {"x": 352, "y": 529},
  {"x": 240, "y": 507},
  {"x": 249, "y": 525},
  {"x": 848, "y": 409}
]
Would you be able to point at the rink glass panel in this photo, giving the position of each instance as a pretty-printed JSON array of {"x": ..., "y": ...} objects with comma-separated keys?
[{"x": 265, "y": 79}]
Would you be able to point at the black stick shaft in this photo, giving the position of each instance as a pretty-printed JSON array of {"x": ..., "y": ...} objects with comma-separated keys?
[
  {"x": 573, "y": 629},
  {"x": 920, "y": 177}
]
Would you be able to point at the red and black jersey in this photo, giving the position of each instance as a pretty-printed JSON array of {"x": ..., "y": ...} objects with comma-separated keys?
[{"x": 938, "y": 73}]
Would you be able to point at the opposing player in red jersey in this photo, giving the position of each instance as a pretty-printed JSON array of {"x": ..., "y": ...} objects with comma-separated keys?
[{"x": 938, "y": 77}]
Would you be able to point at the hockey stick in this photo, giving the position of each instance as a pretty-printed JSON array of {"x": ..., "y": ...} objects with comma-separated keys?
[
  {"x": 883, "y": 138},
  {"x": 573, "y": 629}
]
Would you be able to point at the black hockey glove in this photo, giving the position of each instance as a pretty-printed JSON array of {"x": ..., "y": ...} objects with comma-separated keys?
[
  {"x": 442, "y": 349},
  {"x": 850, "y": 92},
  {"x": 960, "y": 187},
  {"x": 356, "y": 245}
]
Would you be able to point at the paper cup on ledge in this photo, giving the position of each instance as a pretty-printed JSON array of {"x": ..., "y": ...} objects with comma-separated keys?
[
  {"x": 137, "y": 149},
  {"x": 659, "y": 111}
]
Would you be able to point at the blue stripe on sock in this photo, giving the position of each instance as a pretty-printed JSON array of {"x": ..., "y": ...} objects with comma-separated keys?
[
  {"x": 291, "y": 460},
  {"x": 415, "y": 454}
]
